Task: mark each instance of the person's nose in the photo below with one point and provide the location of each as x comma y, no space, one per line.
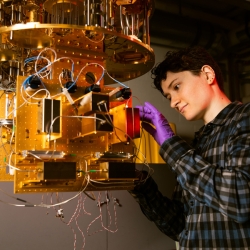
175,100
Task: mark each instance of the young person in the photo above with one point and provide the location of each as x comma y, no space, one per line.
210,207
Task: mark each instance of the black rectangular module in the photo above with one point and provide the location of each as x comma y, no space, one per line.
121,170
47,109
59,170
56,106
94,103
97,99
107,125
51,110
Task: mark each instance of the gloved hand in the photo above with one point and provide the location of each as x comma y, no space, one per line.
150,114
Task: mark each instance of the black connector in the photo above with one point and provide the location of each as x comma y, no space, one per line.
122,94
93,88
71,87
34,83
125,93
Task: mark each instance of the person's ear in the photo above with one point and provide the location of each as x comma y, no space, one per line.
209,73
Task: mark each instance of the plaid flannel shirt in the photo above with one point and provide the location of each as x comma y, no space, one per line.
210,207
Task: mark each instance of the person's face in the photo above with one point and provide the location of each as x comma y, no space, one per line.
189,94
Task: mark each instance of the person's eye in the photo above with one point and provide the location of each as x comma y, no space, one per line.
168,97
177,86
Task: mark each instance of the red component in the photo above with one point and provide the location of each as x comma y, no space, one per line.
133,122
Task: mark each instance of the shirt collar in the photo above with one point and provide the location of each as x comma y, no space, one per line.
220,119
225,113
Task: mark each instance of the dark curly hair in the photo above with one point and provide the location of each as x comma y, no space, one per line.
189,59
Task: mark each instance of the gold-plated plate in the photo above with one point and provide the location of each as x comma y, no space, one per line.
125,57
31,38
69,141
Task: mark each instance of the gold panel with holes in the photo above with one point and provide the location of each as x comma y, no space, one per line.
52,53
33,146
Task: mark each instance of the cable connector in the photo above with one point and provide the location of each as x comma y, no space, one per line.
120,94
68,96
99,204
116,201
60,213
101,102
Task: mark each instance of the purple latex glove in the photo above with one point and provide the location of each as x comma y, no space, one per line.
150,114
